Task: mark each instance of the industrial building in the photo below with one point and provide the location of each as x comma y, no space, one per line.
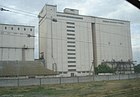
16,42
74,44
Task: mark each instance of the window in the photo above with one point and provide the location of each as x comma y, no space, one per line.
18,28
71,49
5,27
71,53
11,28
79,72
71,57
83,71
70,38
30,29
70,41
65,72
71,69
71,30
70,27
71,61
70,45
60,72
70,23
24,29
71,65
70,34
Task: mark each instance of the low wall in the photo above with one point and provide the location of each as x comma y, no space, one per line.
4,82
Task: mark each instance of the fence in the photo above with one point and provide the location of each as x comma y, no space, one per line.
60,80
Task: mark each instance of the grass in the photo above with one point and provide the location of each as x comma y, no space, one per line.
120,88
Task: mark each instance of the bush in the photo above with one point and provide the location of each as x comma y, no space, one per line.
103,68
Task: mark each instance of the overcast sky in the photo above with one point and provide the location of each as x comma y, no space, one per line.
114,9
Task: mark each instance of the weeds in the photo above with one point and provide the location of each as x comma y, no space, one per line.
122,88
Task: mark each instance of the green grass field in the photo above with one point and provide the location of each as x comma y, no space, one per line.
120,88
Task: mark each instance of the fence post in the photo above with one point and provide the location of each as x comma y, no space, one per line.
94,77
108,77
119,76
60,80
128,76
136,76
18,81
40,81
78,79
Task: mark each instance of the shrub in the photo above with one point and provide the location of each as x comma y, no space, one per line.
103,68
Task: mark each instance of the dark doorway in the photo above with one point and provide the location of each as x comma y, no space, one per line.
72,74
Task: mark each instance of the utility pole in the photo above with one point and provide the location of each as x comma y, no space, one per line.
93,68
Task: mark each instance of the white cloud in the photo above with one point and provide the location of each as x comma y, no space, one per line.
125,11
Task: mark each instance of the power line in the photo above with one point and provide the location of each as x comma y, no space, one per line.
2,9
33,15
17,11
29,35
22,12
62,39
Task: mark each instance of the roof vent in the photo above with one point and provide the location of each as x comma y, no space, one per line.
71,11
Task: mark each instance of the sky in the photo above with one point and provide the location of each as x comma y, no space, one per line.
114,9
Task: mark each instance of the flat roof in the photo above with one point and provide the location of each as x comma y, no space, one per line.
84,15
92,16
17,25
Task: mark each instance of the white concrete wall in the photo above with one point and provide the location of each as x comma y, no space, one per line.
25,81
12,39
83,43
113,40
45,30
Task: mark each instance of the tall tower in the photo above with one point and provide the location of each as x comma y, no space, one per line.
65,41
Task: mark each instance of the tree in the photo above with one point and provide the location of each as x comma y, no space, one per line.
103,68
137,68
